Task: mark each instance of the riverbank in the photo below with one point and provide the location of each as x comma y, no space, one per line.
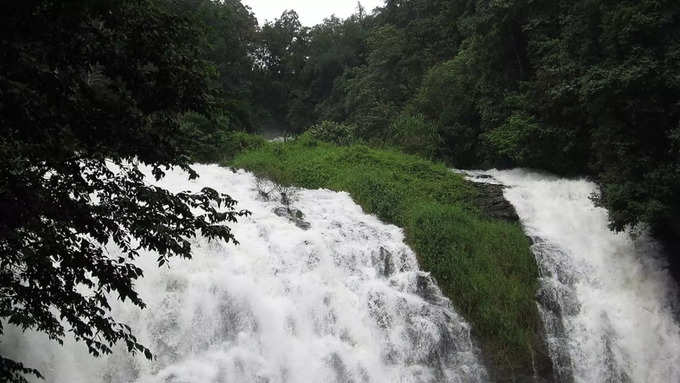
482,264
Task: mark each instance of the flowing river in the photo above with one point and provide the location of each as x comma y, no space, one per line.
607,300
342,301
335,295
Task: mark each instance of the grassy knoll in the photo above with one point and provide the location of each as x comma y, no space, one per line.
484,266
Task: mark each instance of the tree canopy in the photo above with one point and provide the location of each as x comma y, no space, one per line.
89,91
578,88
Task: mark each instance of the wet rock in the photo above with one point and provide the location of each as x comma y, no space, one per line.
547,297
669,238
385,266
558,299
377,310
342,373
294,215
493,204
426,288
304,225
282,212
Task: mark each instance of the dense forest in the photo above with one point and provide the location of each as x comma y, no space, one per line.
579,88
586,87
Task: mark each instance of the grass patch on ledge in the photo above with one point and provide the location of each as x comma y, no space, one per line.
484,266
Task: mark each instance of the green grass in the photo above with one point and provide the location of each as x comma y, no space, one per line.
484,266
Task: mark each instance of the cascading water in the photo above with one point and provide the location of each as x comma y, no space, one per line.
607,301
341,302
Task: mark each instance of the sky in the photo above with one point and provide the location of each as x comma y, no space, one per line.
311,12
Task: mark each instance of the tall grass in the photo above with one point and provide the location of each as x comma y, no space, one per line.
484,266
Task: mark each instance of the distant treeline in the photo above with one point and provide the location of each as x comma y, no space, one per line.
586,87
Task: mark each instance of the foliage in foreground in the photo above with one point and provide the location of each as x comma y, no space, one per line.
329,131
91,90
483,265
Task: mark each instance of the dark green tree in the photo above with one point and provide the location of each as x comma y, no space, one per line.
280,55
230,31
334,46
88,92
448,97
606,84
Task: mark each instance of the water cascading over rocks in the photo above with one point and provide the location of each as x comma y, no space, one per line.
339,300
608,302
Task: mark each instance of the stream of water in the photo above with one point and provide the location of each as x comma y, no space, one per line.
343,301
608,301
336,296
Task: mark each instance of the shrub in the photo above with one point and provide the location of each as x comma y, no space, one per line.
204,135
237,142
415,135
212,138
517,138
448,97
333,132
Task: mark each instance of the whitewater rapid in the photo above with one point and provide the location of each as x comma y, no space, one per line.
343,301
607,299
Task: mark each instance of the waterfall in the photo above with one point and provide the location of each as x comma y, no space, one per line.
608,302
338,299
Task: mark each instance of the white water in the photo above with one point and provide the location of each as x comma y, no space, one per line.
606,298
341,302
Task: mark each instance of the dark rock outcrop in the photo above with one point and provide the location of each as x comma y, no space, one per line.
492,203
293,215
386,257
669,237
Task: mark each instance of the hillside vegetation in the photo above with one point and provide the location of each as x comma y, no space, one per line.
484,266
585,87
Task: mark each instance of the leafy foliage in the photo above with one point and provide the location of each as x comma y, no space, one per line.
206,135
519,138
415,135
89,92
229,31
333,132
447,97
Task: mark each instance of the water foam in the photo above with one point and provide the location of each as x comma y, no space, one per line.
607,298
341,302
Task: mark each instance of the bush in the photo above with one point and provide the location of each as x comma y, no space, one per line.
333,132
517,139
203,135
448,97
237,142
212,139
415,135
